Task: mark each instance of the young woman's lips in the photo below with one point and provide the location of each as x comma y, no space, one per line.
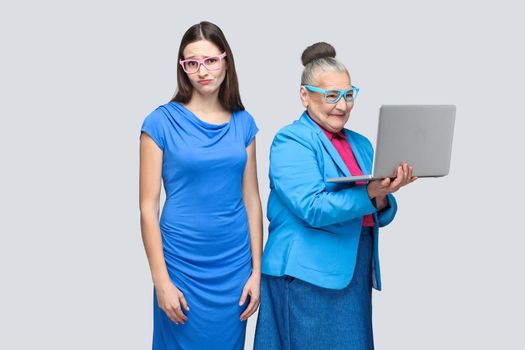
205,81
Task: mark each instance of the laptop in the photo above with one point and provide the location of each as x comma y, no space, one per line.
420,135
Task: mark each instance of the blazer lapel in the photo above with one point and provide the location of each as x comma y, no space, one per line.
329,147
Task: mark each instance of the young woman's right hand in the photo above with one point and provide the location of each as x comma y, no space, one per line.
170,300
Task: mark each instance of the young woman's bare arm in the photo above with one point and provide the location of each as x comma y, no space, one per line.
169,297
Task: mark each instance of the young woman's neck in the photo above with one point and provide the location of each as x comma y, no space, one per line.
206,104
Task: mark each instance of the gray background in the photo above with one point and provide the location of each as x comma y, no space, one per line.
77,79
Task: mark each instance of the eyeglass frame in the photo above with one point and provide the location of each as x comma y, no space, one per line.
200,62
342,93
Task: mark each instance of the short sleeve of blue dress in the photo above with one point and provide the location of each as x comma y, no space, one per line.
154,125
204,225
250,128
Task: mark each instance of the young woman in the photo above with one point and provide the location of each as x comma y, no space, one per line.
205,252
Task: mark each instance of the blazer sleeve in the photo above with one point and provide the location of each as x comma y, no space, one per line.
386,215
296,176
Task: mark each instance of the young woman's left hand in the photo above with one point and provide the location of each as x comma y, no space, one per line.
253,289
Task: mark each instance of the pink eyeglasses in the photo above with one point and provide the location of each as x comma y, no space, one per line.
211,63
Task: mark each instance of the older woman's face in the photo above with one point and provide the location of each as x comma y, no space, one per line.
332,117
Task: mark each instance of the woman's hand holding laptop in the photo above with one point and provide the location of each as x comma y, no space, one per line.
378,189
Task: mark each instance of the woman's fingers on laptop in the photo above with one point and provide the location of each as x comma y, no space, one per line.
402,177
408,175
407,172
398,181
411,177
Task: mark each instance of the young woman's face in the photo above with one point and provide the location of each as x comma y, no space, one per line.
332,117
204,81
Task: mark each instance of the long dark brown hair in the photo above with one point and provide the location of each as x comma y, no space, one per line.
229,95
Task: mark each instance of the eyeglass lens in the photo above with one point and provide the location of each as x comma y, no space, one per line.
334,95
211,63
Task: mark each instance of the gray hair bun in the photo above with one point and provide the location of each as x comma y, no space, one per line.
317,51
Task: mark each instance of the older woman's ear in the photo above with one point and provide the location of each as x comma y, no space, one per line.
304,96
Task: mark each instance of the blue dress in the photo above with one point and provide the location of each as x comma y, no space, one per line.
204,225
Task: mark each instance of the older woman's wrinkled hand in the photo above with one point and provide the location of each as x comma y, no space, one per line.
380,188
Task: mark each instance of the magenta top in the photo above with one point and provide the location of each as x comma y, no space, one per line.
344,149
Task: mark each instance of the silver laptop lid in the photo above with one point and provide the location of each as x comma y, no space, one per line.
420,135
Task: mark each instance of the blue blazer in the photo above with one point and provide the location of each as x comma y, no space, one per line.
314,225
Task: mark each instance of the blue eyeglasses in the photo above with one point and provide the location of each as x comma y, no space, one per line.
333,96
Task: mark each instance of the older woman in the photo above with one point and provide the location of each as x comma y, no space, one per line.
321,259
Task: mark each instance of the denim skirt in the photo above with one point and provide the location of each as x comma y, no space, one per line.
295,314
